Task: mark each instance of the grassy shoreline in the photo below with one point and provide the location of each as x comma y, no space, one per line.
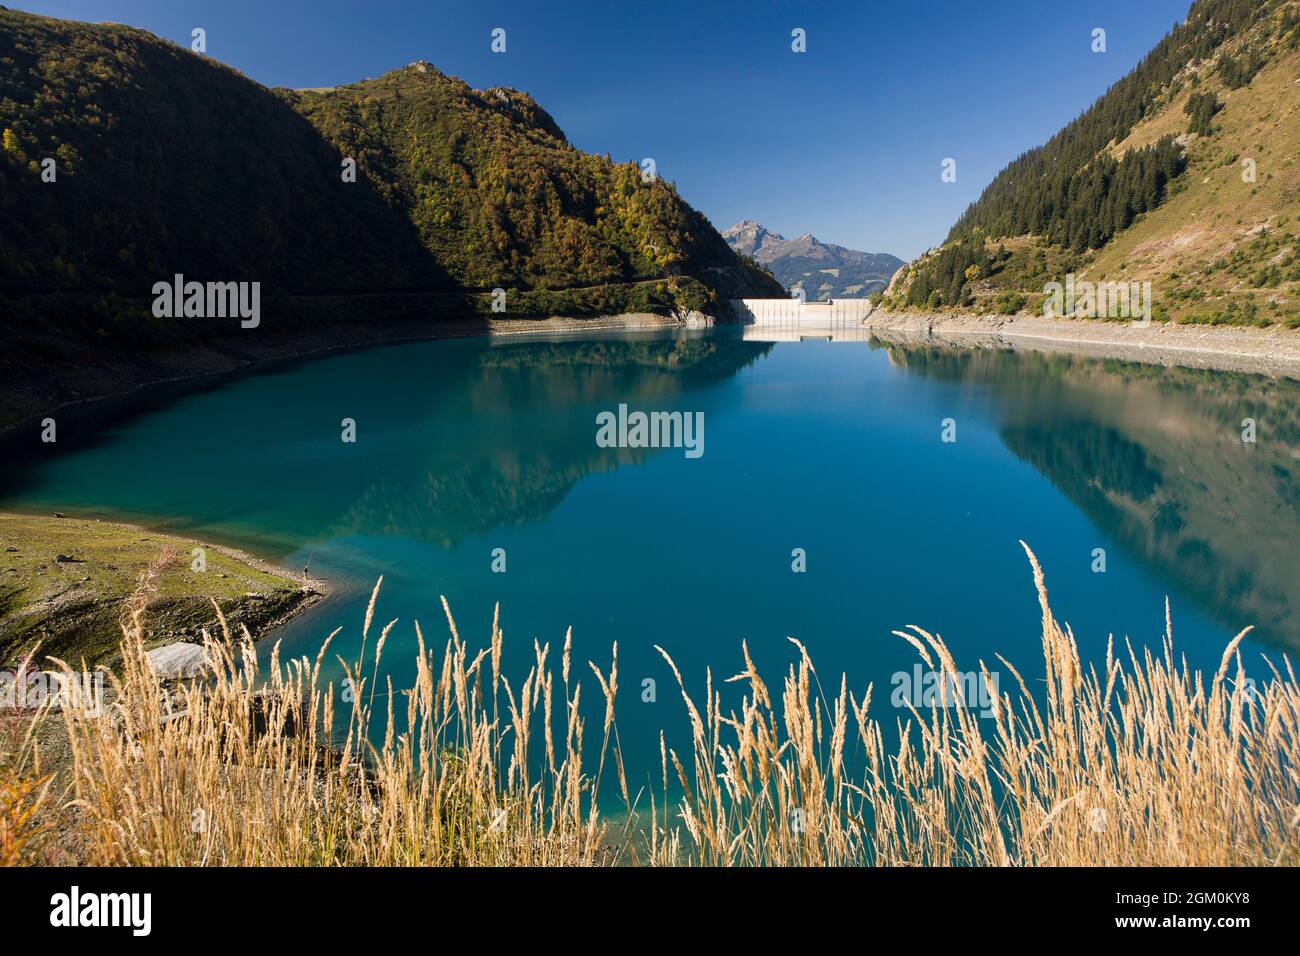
63,581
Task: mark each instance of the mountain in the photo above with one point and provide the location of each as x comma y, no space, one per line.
498,196
1183,175
167,162
821,269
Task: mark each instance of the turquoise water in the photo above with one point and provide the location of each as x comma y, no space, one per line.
467,446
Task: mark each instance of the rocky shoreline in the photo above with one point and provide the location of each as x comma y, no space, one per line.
208,365
1273,351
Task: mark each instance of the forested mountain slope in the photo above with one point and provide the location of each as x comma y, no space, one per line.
165,163
170,162
1183,174
498,195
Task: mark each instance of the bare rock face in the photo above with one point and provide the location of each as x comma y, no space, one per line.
180,660
747,237
692,319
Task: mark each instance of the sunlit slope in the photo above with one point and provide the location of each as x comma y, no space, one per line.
1184,175
1221,239
500,197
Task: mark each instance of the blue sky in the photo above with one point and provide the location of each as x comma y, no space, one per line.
844,141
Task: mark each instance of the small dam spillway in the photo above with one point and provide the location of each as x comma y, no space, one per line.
793,320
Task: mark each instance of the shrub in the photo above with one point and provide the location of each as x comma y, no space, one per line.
1009,302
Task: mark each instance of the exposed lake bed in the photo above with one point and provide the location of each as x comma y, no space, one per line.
65,581
1273,351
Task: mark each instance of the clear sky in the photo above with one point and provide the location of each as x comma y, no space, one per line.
844,141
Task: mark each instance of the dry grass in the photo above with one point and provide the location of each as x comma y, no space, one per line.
1142,763
24,783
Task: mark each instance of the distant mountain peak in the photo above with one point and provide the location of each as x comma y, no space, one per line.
747,237
823,270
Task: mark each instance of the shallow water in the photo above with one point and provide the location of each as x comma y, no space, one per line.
467,446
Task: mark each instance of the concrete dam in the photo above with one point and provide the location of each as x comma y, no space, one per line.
793,320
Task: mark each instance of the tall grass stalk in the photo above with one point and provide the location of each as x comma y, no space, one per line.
1140,762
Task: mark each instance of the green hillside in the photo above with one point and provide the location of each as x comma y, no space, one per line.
1149,185
498,195
168,162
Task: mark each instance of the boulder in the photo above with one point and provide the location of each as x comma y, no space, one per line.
180,660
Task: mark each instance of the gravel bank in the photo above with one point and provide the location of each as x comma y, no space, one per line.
1273,351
